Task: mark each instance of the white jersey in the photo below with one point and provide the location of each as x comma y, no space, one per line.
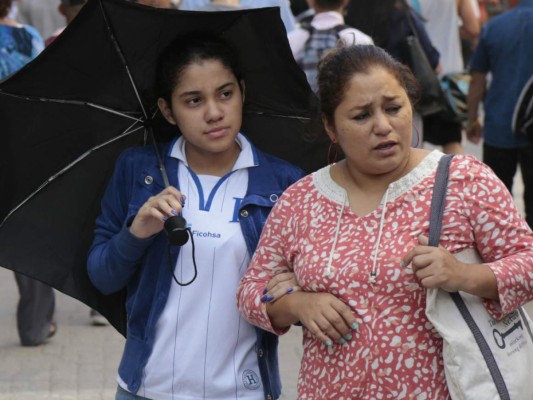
203,348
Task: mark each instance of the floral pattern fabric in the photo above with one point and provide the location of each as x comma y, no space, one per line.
396,353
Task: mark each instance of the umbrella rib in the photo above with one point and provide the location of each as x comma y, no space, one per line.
75,103
122,58
127,132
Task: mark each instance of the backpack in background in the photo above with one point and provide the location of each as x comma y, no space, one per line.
320,40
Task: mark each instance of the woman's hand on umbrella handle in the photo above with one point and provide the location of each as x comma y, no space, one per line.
151,217
328,318
280,285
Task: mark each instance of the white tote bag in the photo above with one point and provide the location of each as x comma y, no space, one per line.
484,358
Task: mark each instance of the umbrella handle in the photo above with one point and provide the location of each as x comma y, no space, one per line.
176,226
176,229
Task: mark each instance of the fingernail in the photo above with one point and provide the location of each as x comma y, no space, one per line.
342,341
164,219
265,291
329,343
265,299
174,212
355,326
182,201
290,290
348,337
402,263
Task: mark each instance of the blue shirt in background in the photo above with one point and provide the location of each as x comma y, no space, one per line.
285,11
505,50
18,46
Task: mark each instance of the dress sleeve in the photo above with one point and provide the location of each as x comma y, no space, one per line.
270,258
501,235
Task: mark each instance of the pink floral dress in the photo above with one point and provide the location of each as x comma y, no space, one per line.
396,353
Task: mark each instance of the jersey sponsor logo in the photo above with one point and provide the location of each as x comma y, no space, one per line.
203,234
251,380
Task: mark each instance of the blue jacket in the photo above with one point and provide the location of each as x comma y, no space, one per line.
117,259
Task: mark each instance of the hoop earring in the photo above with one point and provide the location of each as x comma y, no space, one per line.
417,133
332,147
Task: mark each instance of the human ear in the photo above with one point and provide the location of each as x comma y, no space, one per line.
166,110
330,129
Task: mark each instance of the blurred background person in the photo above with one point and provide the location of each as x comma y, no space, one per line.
505,52
68,9
221,5
41,14
312,39
19,44
284,8
443,19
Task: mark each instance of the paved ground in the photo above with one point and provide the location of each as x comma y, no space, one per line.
80,362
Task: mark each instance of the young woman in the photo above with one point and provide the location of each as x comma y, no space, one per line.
186,339
355,236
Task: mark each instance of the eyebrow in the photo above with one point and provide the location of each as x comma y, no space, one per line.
197,92
363,106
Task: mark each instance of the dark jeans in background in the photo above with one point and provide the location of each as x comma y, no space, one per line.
35,310
504,162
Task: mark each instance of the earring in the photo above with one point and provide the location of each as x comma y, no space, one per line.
332,148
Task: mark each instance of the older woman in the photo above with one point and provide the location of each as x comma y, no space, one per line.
354,234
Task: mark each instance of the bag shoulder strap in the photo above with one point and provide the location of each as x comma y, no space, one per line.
438,200
337,28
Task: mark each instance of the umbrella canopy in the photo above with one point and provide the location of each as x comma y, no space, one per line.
68,114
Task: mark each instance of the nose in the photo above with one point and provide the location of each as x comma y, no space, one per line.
213,112
382,125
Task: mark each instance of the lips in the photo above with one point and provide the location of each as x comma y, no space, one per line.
385,145
217,132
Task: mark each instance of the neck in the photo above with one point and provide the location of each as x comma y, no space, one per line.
218,164
377,183
8,22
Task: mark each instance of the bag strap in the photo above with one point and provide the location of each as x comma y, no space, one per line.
438,200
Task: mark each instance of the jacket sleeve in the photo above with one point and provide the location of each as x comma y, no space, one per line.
115,253
501,236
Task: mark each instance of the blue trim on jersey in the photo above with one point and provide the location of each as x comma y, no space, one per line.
207,206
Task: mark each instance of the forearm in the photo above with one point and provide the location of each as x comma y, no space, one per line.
471,25
111,262
479,280
283,312
476,92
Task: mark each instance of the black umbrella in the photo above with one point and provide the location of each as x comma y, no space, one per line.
66,116
522,122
